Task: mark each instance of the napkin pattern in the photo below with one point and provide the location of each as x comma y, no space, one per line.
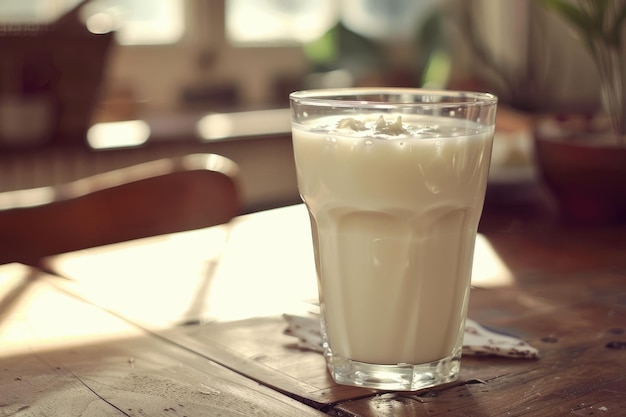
477,341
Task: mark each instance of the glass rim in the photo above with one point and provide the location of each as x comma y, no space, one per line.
340,97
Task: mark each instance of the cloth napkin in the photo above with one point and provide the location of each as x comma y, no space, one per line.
478,341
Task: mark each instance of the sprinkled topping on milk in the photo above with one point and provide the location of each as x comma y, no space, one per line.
351,124
386,127
391,128
380,127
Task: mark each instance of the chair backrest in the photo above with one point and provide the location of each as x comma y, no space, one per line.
153,198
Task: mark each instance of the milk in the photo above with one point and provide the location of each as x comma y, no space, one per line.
394,213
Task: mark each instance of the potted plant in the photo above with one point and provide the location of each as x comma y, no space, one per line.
582,159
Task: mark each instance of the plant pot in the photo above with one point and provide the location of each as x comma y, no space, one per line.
585,171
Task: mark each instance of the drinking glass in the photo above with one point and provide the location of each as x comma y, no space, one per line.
394,181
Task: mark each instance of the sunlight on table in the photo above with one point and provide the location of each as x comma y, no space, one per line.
35,316
258,265
489,270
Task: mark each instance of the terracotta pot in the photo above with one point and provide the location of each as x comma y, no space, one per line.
585,171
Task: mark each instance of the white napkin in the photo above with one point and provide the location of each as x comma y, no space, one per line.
478,341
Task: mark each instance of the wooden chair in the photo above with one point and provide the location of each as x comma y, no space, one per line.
153,198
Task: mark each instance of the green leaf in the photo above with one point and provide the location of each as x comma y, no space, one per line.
578,18
592,18
615,34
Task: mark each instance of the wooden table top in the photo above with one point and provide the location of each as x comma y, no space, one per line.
191,324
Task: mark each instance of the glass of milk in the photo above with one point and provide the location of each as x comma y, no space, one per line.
394,181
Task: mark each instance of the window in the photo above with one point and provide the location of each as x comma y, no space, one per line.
265,22
137,22
284,22
385,19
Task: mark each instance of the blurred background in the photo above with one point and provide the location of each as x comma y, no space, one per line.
90,86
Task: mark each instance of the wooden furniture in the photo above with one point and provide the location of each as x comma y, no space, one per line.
63,356
51,75
153,198
190,324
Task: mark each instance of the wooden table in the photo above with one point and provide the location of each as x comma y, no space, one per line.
191,324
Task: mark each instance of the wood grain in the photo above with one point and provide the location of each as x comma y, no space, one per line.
566,295
62,356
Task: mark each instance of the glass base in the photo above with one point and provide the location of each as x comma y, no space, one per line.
401,377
